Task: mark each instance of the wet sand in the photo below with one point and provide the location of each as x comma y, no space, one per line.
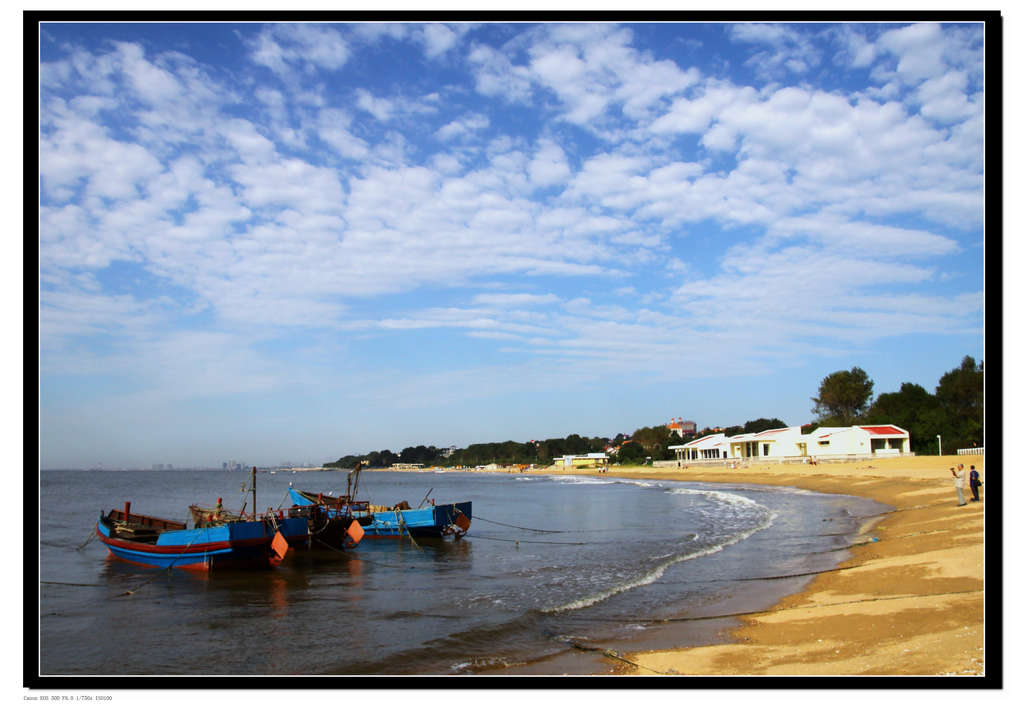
910,603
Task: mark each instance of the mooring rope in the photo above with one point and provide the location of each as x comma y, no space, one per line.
92,535
542,531
527,541
401,525
528,529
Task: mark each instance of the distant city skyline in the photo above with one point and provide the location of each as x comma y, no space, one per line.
302,241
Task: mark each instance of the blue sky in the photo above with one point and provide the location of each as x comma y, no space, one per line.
293,242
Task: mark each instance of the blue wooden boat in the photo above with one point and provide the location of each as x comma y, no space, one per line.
161,543
222,538
430,521
336,528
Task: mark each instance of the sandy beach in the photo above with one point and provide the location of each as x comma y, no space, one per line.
910,603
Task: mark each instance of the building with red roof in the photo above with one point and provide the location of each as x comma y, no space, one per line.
682,428
789,444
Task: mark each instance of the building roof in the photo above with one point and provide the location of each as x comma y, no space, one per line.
825,432
772,432
884,430
703,442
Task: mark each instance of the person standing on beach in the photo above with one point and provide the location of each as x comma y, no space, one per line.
959,478
975,484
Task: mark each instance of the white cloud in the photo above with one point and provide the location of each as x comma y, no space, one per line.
150,82
465,126
80,152
332,128
247,141
695,115
790,48
437,39
857,238
944,98
497,76
919,49
290,182
379,108
516,299
268,209
285,48
549,165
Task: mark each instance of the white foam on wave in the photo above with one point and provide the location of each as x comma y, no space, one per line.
639,483
729,498
581,480
658,571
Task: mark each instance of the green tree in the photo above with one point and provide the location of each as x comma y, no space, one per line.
914,409
961,394
631,452
843,397
655,440
758,425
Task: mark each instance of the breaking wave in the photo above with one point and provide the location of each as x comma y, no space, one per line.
762,518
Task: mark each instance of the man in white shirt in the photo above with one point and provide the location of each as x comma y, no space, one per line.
959,478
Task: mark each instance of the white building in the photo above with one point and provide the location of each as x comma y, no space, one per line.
789,444
713,447
773,443
876,441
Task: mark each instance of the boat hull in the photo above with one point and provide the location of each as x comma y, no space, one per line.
232,545
435,521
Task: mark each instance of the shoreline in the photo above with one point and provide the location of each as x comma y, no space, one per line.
910,603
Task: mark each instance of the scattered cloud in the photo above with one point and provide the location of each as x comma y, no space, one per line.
583,199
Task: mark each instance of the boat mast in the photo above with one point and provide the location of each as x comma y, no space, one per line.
254,492
351,492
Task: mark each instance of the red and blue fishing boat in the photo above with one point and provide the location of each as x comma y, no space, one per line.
428,521
162,543
219,538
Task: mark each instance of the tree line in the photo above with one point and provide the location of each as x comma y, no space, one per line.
955,411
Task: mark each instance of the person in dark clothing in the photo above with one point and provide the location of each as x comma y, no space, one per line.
975,479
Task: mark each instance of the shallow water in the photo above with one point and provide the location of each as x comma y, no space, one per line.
549,563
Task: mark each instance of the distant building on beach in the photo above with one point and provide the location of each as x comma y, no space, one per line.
590,460
712,447
682,428
789,444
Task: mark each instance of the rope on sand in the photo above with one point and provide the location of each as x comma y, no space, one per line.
616,655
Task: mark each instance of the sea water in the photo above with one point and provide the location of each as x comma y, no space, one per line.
551,566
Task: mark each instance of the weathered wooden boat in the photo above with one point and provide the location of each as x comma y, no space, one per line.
335,530
336,527
219,537
162,543
430,521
